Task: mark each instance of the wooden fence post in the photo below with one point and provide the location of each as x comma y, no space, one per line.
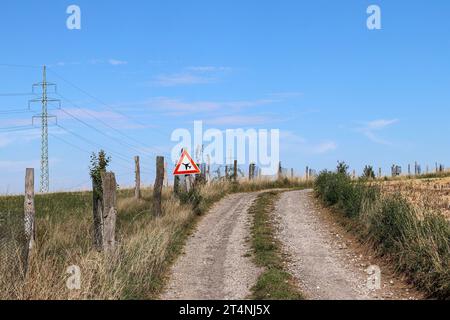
109,186
137,189
29,216
97,210
292,173
307,173
235,170
157,190
251,171
176,185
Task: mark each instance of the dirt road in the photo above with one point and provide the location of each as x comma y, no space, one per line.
326,261
215,264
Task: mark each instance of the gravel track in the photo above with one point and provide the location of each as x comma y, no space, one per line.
325,260
215,263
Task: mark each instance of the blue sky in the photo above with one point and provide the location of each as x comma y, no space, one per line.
336,90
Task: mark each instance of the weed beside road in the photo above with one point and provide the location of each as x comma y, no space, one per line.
415,239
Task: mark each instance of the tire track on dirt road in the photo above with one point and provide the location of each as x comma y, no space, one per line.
215,263
325,259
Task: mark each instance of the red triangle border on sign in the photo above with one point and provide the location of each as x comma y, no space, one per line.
177,170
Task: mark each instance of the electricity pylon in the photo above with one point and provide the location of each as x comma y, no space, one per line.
44,100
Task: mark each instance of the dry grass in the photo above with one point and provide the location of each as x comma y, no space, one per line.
134,272
146,245
414,238
431,193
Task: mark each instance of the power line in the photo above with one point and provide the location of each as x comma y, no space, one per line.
15,129
14,111
103,103
69,143
96,145
100,132
16,94
18,66
105,123
89,152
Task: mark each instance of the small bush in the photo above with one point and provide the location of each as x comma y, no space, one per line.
417,241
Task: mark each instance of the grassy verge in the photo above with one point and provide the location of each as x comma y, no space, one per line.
147,246
274,283
415,239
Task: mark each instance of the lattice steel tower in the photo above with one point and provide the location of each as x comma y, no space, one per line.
44,100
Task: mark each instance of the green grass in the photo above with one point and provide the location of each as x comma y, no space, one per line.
274,283
415,239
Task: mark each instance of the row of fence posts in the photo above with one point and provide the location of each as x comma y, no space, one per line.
104,200
104,208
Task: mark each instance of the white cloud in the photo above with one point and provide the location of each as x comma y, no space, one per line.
380,124
291,141
178,107
177,79
191,76
371,127
239,120
324,147
209,69
115,62
21,165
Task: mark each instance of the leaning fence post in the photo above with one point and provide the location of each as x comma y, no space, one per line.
109,187
29,215
157,190
137,189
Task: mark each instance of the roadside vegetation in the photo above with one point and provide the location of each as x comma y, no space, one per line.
275,283
416,239
147,245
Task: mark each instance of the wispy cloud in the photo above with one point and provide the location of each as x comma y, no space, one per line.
177,79
111,118
191,76
239,120
115,62
370,128
179,107
20,165
291,141
324,147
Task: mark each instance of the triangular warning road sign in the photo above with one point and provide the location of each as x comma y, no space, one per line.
186,165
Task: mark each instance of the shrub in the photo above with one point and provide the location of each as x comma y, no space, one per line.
417,241
331,186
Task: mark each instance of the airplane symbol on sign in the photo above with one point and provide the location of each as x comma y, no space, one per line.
187,166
